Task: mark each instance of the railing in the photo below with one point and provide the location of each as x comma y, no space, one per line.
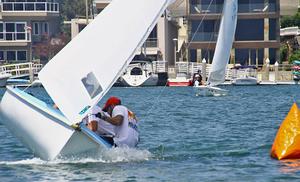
151,42
159,66
21,68
205,36
15,36
206,9
242,8
256,7
30,6
182,67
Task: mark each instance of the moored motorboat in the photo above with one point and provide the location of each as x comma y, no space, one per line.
244,75
181,80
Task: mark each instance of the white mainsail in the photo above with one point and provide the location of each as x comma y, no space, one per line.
83,72
224,43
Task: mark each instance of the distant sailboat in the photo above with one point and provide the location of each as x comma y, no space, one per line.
222,51
95,59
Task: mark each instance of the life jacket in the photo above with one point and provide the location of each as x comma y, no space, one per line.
132,120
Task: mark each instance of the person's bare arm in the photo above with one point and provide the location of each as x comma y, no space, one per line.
93,125
117,120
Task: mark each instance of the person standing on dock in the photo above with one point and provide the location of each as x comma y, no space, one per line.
126,133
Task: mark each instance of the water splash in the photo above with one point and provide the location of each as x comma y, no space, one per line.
113,155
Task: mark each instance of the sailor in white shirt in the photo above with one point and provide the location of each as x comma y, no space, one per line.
100,126
126,133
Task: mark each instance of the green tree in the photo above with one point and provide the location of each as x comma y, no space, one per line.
294,56
70,9
283,53
287,21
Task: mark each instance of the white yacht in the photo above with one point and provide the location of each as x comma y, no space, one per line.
244,75
139,73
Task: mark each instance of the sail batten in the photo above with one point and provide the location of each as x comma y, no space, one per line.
84,71
224,43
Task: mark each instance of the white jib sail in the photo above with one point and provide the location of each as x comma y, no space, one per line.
224,43
83,72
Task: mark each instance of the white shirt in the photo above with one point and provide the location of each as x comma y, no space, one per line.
104,128
196,83
125,135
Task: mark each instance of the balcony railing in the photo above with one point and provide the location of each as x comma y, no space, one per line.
242,8
256,8
204,36
15,37
30,7
151,42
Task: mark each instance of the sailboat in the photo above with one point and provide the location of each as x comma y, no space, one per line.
222,51
95,59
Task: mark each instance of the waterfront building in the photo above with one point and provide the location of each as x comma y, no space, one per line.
288,7
257,35
158,46
24,25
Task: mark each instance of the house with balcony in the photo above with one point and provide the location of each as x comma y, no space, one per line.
257,35
24,25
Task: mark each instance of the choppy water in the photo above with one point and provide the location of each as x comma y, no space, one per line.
183,138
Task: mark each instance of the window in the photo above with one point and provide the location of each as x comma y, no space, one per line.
36,29
46,28
40,6
7,7
206,32
10,27
29,6
251,29
193,55
272,29
18,7
1,31
136,71
11,55
2,56
22,55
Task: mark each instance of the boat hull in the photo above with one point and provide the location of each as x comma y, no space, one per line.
245,81
179,84
41,128
139,81
209,91
3,79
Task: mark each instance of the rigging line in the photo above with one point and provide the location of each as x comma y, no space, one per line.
156,101
198,27
211,37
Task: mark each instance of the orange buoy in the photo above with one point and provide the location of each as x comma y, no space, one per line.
287,141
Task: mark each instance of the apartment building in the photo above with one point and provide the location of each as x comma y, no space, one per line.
158,46
23,25
257,33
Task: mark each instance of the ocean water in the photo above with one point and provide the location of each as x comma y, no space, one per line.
183,138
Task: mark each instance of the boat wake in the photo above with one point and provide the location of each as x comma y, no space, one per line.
113,155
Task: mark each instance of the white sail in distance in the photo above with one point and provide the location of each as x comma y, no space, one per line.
224,43
84,70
